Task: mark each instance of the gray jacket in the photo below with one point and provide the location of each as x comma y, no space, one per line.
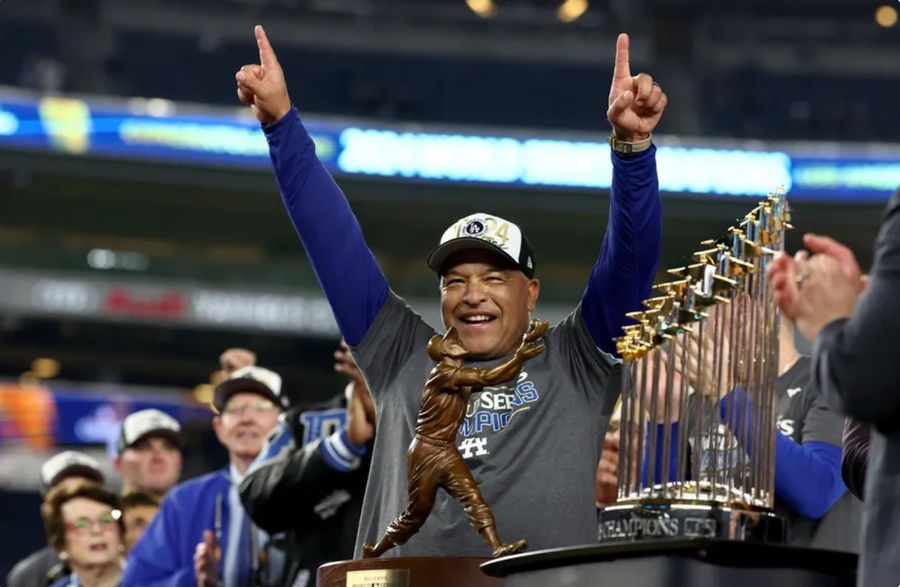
38,570
856,364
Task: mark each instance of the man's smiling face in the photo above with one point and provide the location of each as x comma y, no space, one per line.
488,300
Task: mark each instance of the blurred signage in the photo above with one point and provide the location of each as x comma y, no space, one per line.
156,130
135,129
85,417
167,304
43,416
27,415
121,301
33,293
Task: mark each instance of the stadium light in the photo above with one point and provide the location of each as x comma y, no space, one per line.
483,8
886,16
571,10
45,368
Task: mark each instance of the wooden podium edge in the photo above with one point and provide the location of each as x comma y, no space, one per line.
426,571
727,552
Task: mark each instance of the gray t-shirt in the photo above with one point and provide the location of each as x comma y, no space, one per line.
532,444
34,571
804,415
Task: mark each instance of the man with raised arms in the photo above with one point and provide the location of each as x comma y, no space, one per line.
532,443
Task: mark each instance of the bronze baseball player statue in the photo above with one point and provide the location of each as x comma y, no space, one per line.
433,459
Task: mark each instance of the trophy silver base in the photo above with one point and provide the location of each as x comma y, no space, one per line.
673,521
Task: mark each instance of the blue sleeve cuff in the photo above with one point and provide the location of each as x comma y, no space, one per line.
621,159
340,453
283,121
808,475
357,450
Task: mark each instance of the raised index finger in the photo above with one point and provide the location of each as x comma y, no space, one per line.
266,53
622,68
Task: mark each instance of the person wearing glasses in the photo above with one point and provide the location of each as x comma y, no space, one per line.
43,568
84,525
201,534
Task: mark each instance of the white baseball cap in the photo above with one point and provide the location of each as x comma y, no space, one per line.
143,423
252,379
486,232
69,463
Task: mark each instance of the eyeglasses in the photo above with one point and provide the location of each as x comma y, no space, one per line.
83,525
259,407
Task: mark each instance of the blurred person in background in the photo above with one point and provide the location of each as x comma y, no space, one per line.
855,444
809,490
84,525
44,567
855,325
149,452
855,455
311,478
138,510
235,358
201,534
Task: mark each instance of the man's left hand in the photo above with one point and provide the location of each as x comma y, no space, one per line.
636,103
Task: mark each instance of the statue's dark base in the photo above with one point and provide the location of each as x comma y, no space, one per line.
408,572
694,563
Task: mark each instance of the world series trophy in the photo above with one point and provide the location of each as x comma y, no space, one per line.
697,429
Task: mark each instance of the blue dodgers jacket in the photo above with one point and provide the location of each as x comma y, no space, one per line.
164,556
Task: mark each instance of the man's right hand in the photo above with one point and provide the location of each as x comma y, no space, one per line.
360,409
607,471
262,87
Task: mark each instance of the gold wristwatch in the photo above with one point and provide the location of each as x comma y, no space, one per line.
627,148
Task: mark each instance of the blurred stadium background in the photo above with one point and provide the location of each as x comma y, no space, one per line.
141,232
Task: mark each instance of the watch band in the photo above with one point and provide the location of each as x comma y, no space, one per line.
627,148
